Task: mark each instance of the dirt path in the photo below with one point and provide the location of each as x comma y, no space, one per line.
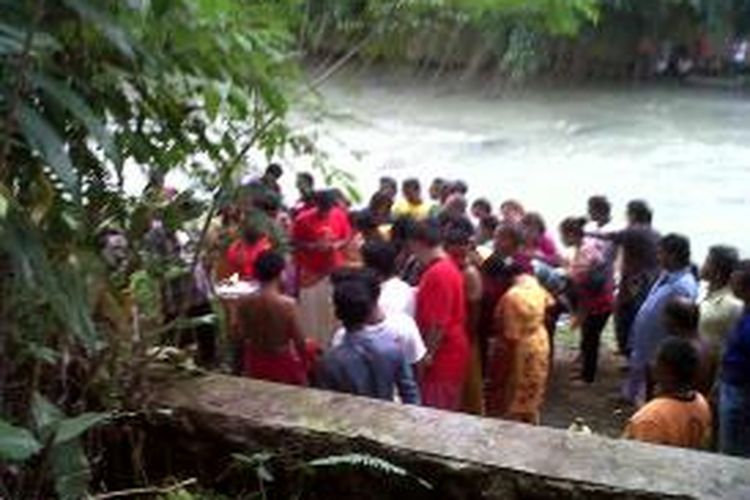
598,404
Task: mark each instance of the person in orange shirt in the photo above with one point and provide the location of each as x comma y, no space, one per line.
680,415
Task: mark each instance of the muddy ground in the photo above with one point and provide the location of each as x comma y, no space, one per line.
598,404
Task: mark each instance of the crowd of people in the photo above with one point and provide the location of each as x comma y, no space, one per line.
435,301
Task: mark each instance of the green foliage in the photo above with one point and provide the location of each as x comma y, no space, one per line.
444,32
63,437
17,444
87,87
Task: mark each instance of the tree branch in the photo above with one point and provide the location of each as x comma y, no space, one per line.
153,490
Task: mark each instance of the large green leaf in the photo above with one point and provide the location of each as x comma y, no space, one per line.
70,466
49,420
81,110
72,428
46,415
43,138
16,444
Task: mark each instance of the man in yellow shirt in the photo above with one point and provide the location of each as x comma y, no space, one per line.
411,204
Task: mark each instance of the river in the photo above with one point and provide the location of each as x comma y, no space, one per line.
686,151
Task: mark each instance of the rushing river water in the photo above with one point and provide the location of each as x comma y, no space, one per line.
686,151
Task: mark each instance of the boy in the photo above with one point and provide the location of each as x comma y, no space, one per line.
364,364
679,415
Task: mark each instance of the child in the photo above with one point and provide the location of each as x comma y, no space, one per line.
679,415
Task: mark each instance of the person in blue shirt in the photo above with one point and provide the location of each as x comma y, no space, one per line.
368,362
677,279
734,386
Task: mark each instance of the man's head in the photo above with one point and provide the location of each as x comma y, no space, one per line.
324,200
512,211
412,191
388,186
436,189
455,206
681,316
599,210
740,281
638,212
508,239
487,228
380,256
364,222
251,230
677,365
353,303
269,267
533,226
424,239
674,252
273,172
458,236
305,184
481,208
380,206
719,265
459,187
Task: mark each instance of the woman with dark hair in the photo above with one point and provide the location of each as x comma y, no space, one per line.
719,308
593,287
270,344
520,361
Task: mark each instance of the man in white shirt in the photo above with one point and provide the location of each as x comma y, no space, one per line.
396,296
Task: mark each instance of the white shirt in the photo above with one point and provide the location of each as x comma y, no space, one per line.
396,296
400,326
